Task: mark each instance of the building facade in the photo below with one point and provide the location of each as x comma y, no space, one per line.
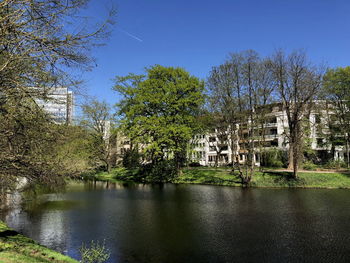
215,149
59,105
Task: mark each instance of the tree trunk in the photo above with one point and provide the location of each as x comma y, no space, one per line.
295,161
290,157
347,153
108,166
294,153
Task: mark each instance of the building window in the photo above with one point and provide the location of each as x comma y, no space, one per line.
212,139
274,143
211,158
272,120
319,142
212,148
273,131
224,148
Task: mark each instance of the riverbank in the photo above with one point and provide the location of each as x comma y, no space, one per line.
223,176
16,248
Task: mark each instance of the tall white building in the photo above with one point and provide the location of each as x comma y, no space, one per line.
59,104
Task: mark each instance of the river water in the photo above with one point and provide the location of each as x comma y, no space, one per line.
190,223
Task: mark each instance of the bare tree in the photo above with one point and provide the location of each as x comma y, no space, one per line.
223,87
40,43
265,97
297,82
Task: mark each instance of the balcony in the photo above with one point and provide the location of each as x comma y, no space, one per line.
272,124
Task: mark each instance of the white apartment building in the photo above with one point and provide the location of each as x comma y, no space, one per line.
59,104
207,148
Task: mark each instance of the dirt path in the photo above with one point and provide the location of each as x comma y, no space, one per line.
315,171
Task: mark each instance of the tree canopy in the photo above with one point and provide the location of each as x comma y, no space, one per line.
160,109
41,43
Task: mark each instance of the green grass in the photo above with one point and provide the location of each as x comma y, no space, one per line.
208,175
304,180
18,248
116,175
223,176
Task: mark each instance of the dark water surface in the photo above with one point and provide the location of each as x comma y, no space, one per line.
192,223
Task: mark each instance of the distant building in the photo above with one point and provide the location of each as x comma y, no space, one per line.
209,149
60,105
215,148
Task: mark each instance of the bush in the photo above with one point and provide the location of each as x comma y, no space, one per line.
194,164
96,253
335,164
274,158
159,172
308,165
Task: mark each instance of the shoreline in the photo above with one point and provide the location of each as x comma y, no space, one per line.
276,178
15,247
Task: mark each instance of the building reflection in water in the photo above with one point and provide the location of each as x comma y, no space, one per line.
188,223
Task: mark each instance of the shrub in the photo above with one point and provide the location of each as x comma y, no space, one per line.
274,158
159,172
194,164
96,253
335,164
308,165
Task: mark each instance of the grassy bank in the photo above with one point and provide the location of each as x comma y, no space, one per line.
222,176
16,248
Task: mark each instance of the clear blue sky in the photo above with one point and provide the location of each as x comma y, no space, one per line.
198,34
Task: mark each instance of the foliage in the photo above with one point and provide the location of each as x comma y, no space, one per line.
274,158
311,155
95,253
159,112
119,174
194,164
337,90
29,144
73,151
337,83
132,158
96,118
39,47
309,165
335,164
224,176
159,172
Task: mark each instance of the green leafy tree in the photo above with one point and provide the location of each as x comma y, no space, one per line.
159,111
337,90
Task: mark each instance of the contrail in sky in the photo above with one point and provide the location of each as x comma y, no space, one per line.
130,35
